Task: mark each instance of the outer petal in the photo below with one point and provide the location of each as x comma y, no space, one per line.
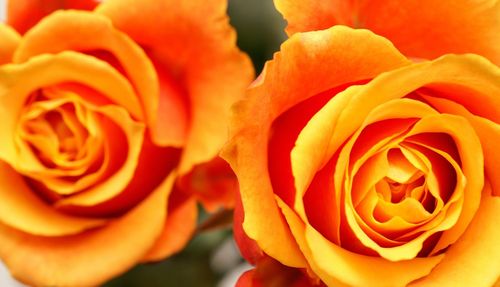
309,64
24,14
179,228
425,29
270,273
213,183
196,45
20,208
10,41
247,280
248,247
90,258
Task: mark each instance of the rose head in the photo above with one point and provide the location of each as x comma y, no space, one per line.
364,168
107,118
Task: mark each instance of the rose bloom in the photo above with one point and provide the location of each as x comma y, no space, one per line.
360,167
111,122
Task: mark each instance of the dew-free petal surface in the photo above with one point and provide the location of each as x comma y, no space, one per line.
10,42
196,45
24,14
93,33
91,257
22,209
423,29
472,260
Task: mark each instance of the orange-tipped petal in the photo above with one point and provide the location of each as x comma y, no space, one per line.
24,14
10,42
194,43
423,29
92,257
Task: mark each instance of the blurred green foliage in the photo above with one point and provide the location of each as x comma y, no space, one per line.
187,269
260,31
260,28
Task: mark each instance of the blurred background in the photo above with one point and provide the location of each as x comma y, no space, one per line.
211,258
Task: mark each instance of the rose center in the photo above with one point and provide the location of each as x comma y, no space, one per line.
54,130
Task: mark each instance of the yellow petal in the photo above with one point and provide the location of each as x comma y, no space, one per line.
22,209
89,258
10,42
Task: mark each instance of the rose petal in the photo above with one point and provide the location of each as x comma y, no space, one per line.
361,270
102,253
200,53
424,29
269,272
339,267
488,132
214,184
478,247
23,14
178,230
248,247
21,209
10,42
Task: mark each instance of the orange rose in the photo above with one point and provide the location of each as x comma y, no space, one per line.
363,168
102,113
